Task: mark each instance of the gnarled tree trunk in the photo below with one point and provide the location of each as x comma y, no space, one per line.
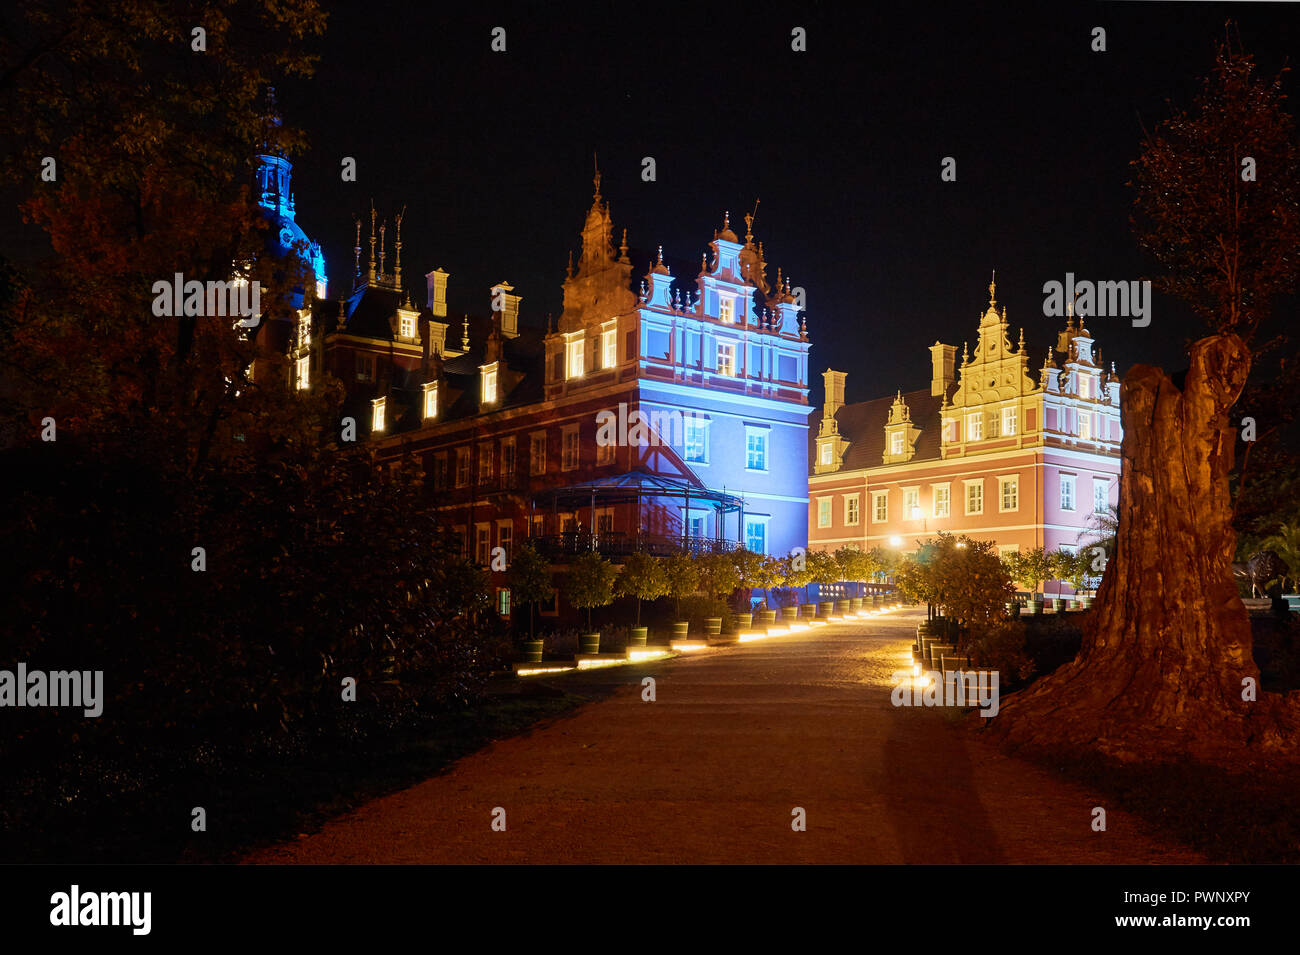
1167,649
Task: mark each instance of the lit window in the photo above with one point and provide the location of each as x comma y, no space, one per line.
573,359
304,373
1100,497
304,330
942,497
756,536
569,450
431,399
377,415
696,439
1085,427
896,442
827,453
975,426
1084,383
755,450
1067,492
911,502
880,506
1009,416
489,384
537,453
609,348
503,601
406,325
823,512
320,289
726,359
975,498
726,309
1010,488
851,509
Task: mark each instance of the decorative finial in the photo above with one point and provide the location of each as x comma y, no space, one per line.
464,336
397,249
357,251
622,249
383,227
993,287
726,221
704,261
370,269
343,312
676,300
1022,338
661,256
596,179
570,263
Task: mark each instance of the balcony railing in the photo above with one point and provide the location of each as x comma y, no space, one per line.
618,544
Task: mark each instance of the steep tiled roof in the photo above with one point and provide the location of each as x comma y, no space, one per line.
862,424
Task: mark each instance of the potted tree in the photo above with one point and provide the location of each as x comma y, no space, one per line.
797,577
642,578
529,580
825,571
749,574
718,578
588,583
682,578
771,573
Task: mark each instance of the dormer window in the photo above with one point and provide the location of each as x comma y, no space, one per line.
574,362
896,442
377,414
304,373
727,309
320,289
726,359
405,325
828,454
609,346
431,400
489,395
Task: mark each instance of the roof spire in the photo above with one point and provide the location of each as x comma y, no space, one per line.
596,179
357,252
622,249
383,227
397,250
464,336
993,287
370,271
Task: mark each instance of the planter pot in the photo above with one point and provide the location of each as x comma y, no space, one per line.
1085,602
825,608
589,643
1058,604
767,618
841,607
532,651
681,629
1036,607
637,636
789,613
855,604
742,621
713,626
1013,608
807,611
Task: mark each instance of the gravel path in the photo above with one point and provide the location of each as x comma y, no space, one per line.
711,771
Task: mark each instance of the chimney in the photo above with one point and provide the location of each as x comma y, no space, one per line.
508,306
834,393
943,358
437,281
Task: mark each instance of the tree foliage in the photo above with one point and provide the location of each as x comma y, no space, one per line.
642,577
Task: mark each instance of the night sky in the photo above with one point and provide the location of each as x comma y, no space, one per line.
492,153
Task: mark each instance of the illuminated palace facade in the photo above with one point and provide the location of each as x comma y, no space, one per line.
985,451
661,415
